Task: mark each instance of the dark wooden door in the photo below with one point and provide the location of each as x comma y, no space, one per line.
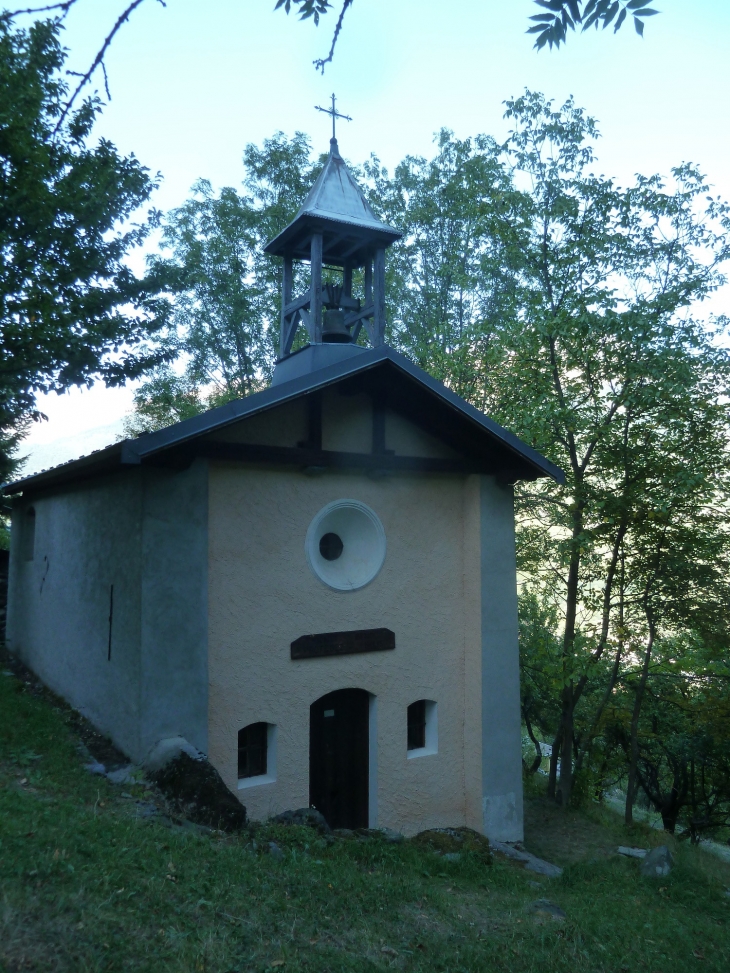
338,757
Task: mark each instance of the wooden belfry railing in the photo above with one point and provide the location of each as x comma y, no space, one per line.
308,307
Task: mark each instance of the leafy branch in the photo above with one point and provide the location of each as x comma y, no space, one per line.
313,8
62,8
560,16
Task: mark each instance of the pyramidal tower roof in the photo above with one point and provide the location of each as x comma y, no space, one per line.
337,208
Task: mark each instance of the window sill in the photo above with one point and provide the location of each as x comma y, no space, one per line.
422,752
245,782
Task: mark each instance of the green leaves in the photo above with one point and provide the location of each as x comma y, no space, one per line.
552,26
305,8
224,291
69,301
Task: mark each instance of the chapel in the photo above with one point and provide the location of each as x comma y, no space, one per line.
315,586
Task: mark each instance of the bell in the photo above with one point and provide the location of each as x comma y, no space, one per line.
333,327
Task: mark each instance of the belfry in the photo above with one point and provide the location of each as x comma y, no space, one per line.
315,585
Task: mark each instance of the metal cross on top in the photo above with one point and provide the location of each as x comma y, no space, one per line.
334,113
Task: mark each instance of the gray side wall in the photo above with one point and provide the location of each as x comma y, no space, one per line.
145,532
87,538
501,724
174,608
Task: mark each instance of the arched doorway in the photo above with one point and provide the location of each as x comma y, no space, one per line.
339,765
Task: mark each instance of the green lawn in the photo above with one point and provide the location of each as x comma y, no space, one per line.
86,885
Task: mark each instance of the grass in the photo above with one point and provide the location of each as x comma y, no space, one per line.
86,885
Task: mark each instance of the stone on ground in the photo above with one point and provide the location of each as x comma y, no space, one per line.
658,863
307,816
545,909
633,852
531,862
165,751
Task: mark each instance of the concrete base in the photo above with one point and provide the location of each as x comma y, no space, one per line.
312,358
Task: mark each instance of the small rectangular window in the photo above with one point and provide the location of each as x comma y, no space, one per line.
416,725
252,748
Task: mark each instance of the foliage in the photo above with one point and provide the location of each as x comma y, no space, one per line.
626,390
683,767
89,883
449,278
305,8
224,292
561,15
71,310
564,305
162,400
553,22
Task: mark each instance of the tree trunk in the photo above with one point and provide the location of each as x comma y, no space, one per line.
618,557
565,786
632,788
533,769
554,757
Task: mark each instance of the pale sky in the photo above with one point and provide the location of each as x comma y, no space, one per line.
194,82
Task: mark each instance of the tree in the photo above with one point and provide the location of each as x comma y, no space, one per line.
224,291
450,278
563,305
602,362
71,310
559,16
553,22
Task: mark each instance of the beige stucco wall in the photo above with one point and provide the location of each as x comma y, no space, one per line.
262,595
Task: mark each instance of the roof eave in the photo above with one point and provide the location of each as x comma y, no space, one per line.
133,452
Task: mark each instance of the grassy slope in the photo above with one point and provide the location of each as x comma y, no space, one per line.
84,885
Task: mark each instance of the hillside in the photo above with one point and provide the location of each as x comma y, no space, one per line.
96,877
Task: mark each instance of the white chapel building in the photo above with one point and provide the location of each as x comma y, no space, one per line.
315,585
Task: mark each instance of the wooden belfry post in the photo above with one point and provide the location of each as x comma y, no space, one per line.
315,306
336,227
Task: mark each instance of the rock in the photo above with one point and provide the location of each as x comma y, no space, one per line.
547,910
195,788
633,852
308,816
125,775
146,809
275,851
392,837
446,841
531,862
167,750
658,863
452,856
96,768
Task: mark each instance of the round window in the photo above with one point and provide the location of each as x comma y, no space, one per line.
345,545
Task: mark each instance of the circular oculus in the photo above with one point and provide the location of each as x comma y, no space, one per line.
345,545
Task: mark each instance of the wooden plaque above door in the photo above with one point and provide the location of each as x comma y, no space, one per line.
343,643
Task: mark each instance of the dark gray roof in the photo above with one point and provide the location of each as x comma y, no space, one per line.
335,198
404,385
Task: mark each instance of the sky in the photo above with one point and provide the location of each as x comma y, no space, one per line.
192,83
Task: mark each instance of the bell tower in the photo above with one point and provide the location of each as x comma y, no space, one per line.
335,228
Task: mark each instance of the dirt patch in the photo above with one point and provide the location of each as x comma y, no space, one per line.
195,790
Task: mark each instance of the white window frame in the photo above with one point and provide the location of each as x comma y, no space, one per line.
432,732
270,776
